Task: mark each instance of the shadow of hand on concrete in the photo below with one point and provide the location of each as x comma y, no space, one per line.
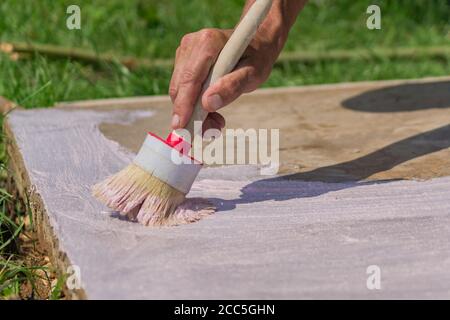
404,97
408,97
340,176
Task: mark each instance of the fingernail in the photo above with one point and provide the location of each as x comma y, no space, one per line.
175,121
215,101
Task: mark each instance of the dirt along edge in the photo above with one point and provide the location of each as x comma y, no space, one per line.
32,199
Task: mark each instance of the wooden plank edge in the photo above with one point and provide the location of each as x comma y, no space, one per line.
33,201
147,101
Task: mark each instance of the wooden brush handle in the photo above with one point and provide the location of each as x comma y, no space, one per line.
230,55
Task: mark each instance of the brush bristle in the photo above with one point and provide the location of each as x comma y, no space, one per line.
140,196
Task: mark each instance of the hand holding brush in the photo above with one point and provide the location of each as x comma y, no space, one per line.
153,186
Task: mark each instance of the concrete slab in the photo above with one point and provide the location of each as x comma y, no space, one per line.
309,234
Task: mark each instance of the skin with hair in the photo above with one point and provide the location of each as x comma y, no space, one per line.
198,51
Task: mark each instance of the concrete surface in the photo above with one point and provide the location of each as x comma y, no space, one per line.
299,236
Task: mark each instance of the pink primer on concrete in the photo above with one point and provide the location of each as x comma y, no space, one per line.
272,238
191,210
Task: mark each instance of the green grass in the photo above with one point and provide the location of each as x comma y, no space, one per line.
40,82
152,29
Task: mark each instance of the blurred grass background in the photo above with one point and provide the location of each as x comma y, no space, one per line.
152,29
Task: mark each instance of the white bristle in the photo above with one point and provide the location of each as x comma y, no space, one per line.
140,196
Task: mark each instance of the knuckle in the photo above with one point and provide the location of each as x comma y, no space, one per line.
172,91
207,34
186,40
187,76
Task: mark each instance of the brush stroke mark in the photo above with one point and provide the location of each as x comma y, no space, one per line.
88,158
265,249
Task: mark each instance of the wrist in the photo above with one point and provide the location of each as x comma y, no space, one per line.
271,37
274,30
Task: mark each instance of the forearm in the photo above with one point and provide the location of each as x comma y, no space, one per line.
198,51
275,28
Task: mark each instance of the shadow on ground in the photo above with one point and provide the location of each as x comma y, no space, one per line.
400,98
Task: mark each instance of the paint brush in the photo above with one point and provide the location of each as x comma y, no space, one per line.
152,188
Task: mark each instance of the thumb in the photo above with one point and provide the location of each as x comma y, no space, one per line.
229,88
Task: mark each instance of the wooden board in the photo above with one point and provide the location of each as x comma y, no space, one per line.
345,201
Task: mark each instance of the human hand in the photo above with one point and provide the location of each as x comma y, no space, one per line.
196,55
